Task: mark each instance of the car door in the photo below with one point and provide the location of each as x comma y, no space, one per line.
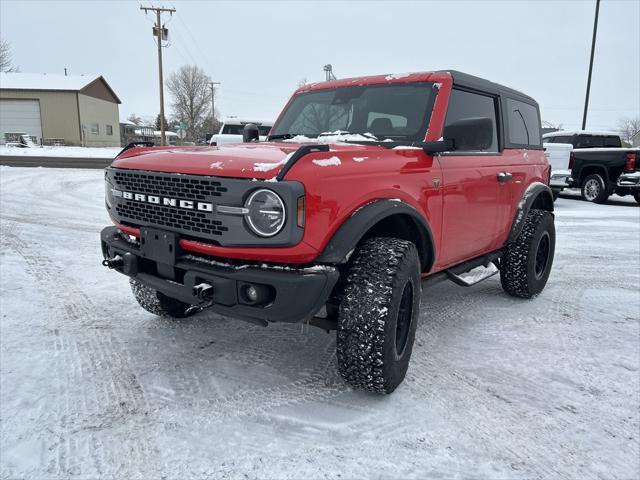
475,182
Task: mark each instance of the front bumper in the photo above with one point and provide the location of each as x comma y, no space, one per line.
559,179
294,295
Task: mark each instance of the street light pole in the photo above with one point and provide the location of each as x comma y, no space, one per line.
213,110
593,47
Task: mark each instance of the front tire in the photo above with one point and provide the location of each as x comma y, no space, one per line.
594,189
378,314
158,303
526,264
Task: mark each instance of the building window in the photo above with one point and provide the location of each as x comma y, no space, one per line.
95,129
109,129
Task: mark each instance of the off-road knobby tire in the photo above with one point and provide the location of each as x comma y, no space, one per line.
158,303
636,195
518,265
368,315
603,192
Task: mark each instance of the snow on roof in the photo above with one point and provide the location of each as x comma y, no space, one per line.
244,121
167,133
45,81
562,133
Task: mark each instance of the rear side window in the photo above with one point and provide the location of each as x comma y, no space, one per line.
466,105
612,141
558,139
524,124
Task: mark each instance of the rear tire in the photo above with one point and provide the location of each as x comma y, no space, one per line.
378,314
526,264
594,189
158,303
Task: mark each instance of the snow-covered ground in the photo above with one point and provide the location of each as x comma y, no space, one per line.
92,386
63,152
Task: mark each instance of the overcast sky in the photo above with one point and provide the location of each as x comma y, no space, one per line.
260,51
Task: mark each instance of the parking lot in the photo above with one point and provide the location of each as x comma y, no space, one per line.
92,385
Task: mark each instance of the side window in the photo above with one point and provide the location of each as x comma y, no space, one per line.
524,123
466,106
612,141
589,141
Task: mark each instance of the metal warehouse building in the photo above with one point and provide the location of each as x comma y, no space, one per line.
74,109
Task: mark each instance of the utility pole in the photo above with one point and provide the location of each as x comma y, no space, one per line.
213,110
593,48
162,33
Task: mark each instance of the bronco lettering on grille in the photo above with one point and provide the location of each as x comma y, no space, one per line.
165,201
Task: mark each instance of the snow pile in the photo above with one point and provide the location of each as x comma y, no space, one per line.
62,152
328,162
332,137
93,386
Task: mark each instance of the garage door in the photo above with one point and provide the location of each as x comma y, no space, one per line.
20,116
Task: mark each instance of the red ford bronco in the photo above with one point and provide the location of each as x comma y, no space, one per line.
365,190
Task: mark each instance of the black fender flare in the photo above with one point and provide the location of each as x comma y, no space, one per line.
352,230
537,194
596,168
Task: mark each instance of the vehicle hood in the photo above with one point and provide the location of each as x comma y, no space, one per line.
245,160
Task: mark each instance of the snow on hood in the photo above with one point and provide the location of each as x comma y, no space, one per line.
243,160
260,161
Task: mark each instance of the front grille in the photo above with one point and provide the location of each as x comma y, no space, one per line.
178,186
203,222
173,186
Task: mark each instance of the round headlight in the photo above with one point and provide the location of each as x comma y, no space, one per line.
266,215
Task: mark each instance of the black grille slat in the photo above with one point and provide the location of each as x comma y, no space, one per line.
180,188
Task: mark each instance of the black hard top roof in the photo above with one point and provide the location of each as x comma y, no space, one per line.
476,83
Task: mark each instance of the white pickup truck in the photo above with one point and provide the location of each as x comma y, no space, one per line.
558,155
231,131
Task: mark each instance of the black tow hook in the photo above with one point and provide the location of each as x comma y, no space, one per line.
203,291
115,262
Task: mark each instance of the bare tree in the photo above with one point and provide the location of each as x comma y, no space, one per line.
190,89
6,60
133,118
628,127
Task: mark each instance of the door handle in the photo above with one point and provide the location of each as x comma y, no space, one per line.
504,177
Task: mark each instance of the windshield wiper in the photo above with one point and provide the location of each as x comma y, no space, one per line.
343,132
281,136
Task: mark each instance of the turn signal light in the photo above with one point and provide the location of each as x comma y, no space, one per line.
630,164
572,158
300,205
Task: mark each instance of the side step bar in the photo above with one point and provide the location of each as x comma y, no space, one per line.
473,276
464,274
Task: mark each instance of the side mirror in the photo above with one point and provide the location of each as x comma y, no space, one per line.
470,133
250,133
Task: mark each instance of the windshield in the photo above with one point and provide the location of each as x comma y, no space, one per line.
398,112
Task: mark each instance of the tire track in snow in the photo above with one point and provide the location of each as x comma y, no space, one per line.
91,359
